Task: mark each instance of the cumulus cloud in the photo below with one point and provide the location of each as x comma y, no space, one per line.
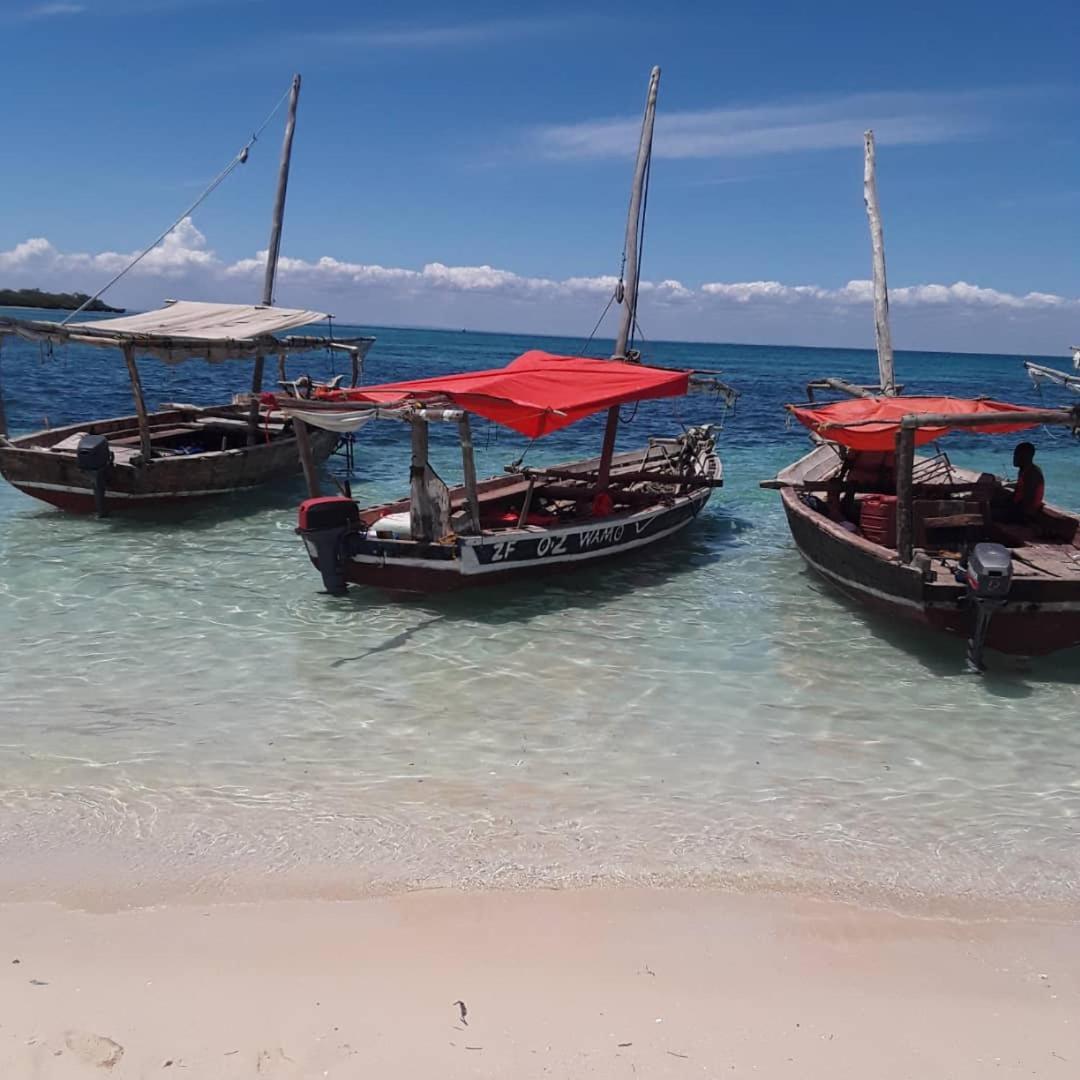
821,124
862,292
493,298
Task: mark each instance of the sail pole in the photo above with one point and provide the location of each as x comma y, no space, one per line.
273,250
633,221
628,282
883,336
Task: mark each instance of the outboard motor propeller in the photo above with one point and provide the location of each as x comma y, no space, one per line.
324,524
988,577
93,455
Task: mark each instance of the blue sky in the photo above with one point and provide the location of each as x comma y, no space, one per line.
469,165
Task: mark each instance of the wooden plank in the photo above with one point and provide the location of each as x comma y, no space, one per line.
841,386
1070,416
140,403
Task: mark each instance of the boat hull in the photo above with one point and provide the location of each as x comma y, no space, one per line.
471,562
29,464
359,552
1040,616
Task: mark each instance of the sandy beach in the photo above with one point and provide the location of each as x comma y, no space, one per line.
601,982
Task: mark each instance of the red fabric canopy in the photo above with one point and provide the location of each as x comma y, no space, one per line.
535,394
872,423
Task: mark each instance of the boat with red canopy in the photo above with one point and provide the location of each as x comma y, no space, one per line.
528,520
901,532
917,537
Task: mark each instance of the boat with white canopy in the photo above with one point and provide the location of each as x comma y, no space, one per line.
180,451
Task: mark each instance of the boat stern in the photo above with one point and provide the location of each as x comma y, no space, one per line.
324,524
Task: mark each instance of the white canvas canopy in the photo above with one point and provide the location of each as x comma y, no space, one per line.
182,330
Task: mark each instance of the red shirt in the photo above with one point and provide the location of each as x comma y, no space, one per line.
1030,488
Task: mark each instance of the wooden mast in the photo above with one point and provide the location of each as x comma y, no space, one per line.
273,251
882,333
629,282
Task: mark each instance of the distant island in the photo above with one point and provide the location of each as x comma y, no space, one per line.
35,298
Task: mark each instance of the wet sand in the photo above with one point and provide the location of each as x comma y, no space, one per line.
600,982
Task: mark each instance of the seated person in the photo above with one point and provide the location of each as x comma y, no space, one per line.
1027,500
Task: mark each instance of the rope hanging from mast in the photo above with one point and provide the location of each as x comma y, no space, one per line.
239,159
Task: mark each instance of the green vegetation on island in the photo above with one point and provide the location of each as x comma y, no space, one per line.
35,298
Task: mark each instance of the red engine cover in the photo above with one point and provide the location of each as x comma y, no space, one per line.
327,512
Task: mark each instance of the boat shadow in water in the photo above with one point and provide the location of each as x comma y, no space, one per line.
702,544
943,655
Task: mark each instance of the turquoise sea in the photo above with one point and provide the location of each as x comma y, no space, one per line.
182,713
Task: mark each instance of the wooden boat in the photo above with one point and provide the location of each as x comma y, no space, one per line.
181,452
916,537
898,531
533,520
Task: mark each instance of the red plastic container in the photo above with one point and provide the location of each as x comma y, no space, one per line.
877,519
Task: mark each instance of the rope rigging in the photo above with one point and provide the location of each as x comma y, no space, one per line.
239,159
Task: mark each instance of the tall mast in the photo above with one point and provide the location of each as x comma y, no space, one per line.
272,252
883,336
274,248
629,282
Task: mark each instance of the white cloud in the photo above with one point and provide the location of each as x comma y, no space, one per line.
442,35
959,294
926,315
822,124
48,11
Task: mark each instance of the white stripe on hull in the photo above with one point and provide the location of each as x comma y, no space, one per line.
472,567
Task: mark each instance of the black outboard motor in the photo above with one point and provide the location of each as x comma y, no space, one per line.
94,456
324,524
988,577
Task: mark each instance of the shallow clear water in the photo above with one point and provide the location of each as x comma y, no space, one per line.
183,711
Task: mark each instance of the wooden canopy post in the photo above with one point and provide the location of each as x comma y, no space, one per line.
421,516
354,355
140,403
468,466
281,367
905,463
307,458
882,333
253,408
608,451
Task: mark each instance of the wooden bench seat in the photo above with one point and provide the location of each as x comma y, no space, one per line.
161,433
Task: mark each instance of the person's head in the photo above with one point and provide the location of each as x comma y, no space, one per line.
1024,454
